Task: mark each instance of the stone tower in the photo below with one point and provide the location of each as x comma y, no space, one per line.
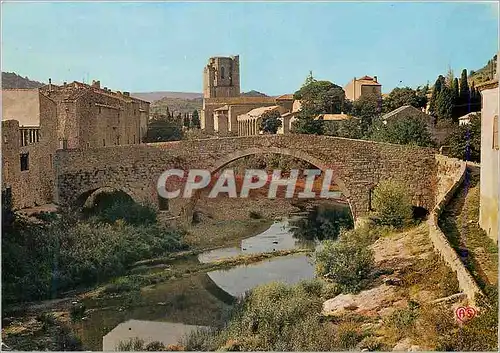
221,77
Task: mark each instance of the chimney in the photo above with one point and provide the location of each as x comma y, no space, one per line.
96,84
50,84
375,79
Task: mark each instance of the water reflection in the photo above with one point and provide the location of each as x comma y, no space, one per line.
324,221
240,279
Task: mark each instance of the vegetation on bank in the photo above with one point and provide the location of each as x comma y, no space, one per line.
43,260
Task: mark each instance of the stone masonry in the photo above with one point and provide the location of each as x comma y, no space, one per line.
358,165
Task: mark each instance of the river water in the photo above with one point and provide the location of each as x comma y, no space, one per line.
203,299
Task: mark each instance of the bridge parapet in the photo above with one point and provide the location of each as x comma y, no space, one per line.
358,165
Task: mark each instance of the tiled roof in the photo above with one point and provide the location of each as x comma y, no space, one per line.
396,111
288,97
333,117
366,78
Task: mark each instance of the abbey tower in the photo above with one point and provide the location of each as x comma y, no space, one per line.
221,77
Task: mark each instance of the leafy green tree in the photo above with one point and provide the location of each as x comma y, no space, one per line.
465,141
317,97
404,96
162,128
392,203
404,131
367,108
195,120
270,122
350,128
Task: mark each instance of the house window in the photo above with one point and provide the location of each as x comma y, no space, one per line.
495,132
222,72
99,110
104,142
24,161
134,139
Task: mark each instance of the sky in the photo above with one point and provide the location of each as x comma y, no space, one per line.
164,46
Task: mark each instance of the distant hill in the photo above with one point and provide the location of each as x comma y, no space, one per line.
254,93
155,96
13,80
485,73
176,105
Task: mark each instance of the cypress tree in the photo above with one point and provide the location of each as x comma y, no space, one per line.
444,104
195,120
464,93
440,83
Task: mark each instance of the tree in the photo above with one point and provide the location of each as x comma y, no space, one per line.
404,96
440,83
350,128
465,141
186,121
367,109
445,104
162,128
317,97
270,122
464,87
407,130
195,120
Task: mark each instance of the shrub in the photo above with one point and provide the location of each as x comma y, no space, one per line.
392,204
41,261
345,262
272,317
255,215
129,211
133,344
348,335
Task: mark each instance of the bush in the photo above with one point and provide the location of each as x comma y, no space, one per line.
129,211
392,204
255,215
41,261
272,317
346,263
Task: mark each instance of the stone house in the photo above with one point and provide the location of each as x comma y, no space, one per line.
365,85
37,122
489,209
439,133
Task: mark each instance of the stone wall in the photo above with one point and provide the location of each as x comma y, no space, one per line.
450,175
357,165
34,186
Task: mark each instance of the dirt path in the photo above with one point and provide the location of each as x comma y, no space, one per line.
459,222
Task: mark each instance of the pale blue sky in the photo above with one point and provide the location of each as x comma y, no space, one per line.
164,46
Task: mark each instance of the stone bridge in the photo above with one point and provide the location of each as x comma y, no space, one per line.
358,165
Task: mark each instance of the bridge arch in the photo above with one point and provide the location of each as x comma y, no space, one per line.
87,199
189,207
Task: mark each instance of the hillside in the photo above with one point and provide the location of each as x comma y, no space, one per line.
254,93
176,105
485,73
13,80
155,96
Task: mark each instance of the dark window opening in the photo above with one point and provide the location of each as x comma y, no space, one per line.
134,139
104,142
162,203
99,110
24,161
222,72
